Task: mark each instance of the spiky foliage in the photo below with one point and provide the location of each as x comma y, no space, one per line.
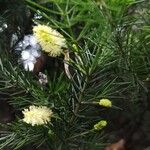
109,41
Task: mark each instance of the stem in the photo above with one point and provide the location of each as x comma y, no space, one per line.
81,134
90,103
79,100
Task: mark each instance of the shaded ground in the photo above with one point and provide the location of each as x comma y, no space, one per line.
138,140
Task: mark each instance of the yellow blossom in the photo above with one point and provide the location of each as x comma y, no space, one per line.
37,115
105,103
50,40
100,125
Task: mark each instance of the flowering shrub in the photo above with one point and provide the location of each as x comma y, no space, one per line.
94,63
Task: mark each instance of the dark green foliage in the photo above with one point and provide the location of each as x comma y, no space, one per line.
109,43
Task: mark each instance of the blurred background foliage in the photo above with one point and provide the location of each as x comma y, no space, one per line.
109,45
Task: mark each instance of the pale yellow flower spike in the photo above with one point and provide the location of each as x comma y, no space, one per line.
100,125
105,103
37,115
50,40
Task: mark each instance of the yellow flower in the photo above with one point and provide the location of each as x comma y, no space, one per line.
50,40
105,103
100,125
37,115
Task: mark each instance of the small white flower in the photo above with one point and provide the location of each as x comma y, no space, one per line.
30,52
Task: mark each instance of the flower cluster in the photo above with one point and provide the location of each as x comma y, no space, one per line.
105,103
50,40
100,125
37,115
